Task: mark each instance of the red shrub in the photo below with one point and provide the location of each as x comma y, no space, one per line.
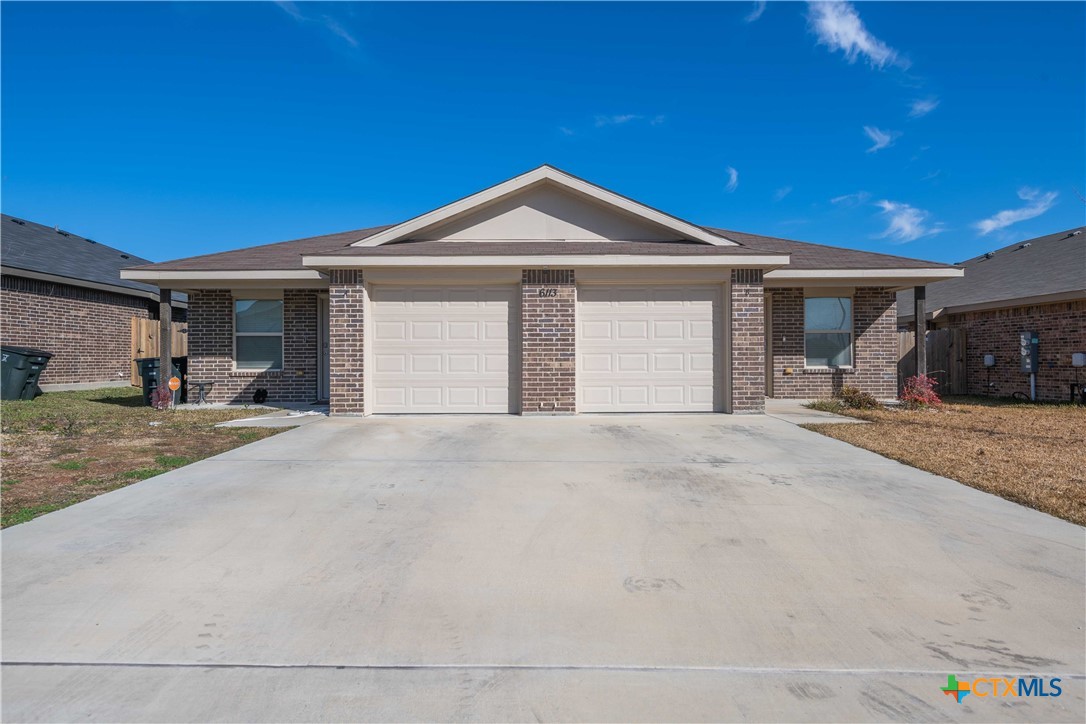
920,393
161,398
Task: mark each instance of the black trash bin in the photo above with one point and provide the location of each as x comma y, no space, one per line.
20,368
149,366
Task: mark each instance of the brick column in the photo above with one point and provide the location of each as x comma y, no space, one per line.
345,338
874,324
548,342
747,341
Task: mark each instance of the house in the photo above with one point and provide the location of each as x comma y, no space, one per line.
63,293
1036,286
542,294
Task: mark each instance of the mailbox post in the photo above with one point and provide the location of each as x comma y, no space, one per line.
1028,344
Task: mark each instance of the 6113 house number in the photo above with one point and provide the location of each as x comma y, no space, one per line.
548,292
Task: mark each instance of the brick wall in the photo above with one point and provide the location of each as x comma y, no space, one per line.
548,342
89,331
1062,329
211,349
748,341
346,298
874,319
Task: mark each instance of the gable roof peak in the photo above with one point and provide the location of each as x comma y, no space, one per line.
545,174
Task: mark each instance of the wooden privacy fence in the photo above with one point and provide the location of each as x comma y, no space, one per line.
946,359
145,342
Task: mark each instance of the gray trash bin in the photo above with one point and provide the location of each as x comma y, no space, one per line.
20,368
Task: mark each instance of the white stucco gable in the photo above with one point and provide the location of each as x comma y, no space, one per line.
545,204
547,213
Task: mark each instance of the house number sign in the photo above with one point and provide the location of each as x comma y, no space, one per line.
548,292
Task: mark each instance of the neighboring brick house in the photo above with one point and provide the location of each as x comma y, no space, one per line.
63,293
1037,285
544,294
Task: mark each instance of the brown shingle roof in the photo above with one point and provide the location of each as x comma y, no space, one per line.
287,255
806,255
522,248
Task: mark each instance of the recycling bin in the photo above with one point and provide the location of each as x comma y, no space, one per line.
149,367
20,369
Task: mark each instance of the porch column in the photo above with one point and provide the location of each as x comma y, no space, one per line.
346,297
165,317
920,295
747,341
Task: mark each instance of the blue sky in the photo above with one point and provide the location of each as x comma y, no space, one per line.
935,130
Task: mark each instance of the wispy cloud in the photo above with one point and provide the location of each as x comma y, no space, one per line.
657,120
1037,203
838,26
756,12
906,223
922,107
882,139
932,175
781,192
566,131
617,120
326,21
733,179
850,200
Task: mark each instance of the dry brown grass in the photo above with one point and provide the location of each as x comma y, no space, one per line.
66,447
1030,454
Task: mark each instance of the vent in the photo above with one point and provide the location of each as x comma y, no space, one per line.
20,222
989,255
1027,244
123,256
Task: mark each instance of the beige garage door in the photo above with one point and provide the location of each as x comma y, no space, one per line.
648,348
441,349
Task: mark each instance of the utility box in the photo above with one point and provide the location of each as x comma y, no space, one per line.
1028,343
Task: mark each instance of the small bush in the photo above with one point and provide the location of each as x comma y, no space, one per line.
853,398
919,393
825,404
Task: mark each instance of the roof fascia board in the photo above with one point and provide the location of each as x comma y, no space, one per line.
159,277
117,289
1034,301
560,261
540,175
869,277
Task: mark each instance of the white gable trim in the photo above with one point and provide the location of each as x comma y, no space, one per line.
543,174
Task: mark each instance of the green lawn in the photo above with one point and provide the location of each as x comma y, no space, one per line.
66,447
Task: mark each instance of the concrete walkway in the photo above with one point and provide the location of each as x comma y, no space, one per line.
604,568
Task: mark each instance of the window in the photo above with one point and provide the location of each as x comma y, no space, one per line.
258,334
827,331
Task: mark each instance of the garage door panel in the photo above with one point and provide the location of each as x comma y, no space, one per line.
498,363
441,349
647,349
638,362
668,362
463,331
596,362
460,364
390,330
396,363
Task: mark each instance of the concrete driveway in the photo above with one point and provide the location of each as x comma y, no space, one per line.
583,568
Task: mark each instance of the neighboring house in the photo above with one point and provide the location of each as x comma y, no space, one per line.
542,294
1036,286
64,294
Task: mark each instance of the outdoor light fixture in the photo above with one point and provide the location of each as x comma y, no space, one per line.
989,363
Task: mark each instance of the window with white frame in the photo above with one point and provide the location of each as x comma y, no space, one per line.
827,331
258,334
